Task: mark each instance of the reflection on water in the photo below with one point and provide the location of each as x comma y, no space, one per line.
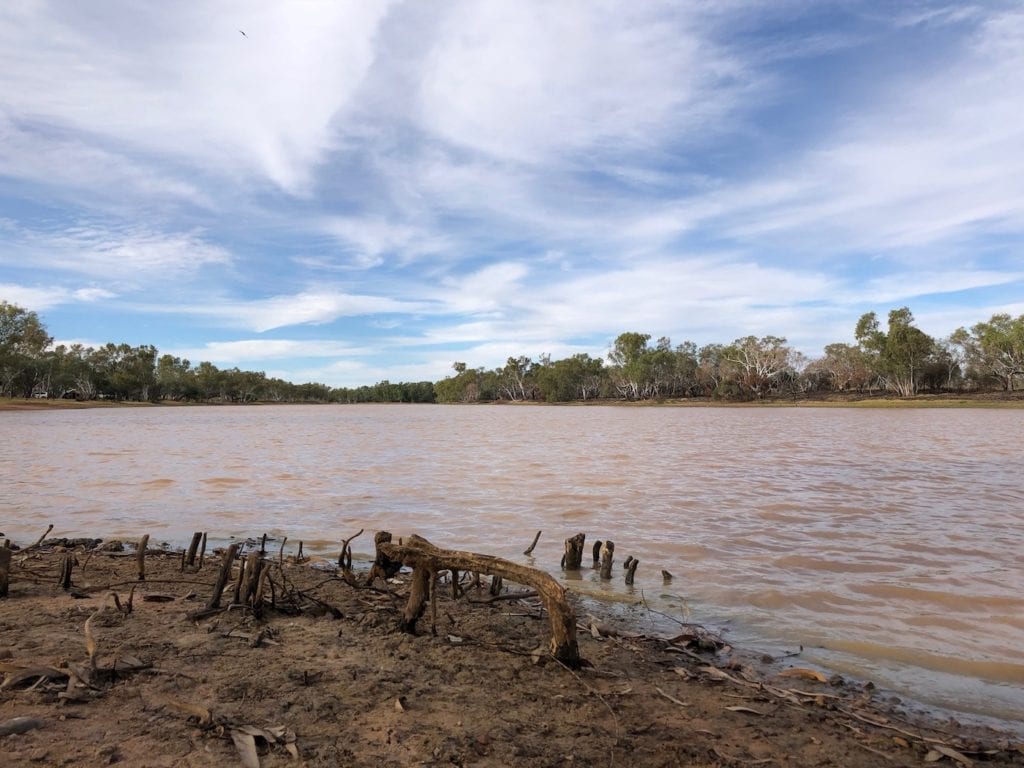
887,542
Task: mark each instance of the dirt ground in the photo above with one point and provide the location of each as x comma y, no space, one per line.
322,677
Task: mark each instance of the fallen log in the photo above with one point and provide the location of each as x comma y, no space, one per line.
426,560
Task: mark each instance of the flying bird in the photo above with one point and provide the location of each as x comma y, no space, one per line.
242,33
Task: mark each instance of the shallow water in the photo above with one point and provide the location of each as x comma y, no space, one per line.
887,542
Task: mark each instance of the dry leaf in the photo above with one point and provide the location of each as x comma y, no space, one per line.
400,705
245,743
932,757
804,674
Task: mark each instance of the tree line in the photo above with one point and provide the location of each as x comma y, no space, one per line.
900,359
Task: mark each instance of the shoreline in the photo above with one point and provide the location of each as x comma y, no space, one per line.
469,688
985,400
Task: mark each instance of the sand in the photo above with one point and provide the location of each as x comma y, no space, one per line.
324,678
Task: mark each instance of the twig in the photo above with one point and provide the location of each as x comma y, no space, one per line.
529,550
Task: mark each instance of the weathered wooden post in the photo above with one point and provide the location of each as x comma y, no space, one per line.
67,563
597,553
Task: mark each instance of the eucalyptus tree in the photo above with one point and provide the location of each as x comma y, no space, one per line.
994,349
899,355
759,364
23,339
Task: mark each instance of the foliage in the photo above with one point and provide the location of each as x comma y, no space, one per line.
902,359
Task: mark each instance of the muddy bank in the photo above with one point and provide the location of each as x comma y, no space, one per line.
317,674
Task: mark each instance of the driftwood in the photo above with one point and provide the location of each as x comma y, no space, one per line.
202,550
573,557
426,560
5,569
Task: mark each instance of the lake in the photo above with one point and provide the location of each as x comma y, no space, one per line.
889,542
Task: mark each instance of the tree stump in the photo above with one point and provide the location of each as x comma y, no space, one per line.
631,570
607,557
5,569
426,560
140,556
383,566
597,553
67,563
573,557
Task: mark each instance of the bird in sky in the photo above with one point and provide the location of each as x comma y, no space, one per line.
242,33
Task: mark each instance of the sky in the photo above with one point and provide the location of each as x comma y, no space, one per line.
351,191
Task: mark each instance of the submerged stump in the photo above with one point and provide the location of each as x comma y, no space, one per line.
573,557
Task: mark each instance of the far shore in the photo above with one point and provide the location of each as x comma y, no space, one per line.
830,400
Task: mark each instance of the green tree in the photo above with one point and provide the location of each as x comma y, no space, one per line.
994,349
899,355
759,364
23,340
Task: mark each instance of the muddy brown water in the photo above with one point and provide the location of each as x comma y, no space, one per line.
889,543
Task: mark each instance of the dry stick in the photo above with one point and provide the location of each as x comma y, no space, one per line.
631,570
263,545
190,558
140,554
202,550
40,539
345,558
573,556
5,569
607,558
496,585
280,555
298,557
248,585
222,577
529,550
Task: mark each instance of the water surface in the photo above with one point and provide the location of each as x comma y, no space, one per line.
887,542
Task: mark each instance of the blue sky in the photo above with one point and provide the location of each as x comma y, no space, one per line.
357,191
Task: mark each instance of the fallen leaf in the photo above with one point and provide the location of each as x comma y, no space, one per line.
805,674
933,757
90,641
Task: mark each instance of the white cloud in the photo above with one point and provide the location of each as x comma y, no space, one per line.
39,299
251,350
525,80
180,79
313,307
129,254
